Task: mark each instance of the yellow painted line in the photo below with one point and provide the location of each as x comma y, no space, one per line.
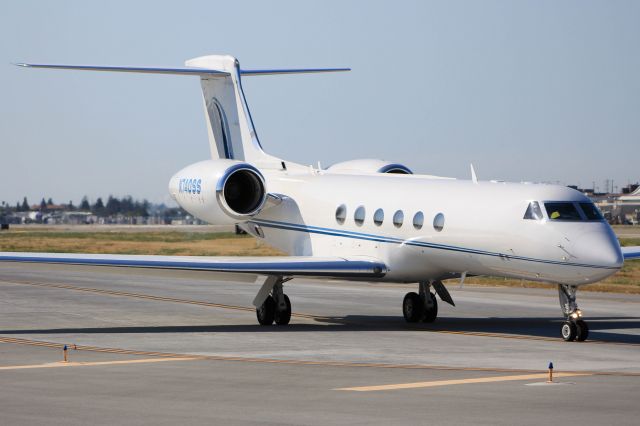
19,341
92,364
317,363
437,383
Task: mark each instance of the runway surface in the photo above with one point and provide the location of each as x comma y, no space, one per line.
168,347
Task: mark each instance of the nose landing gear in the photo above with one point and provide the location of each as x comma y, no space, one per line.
574,327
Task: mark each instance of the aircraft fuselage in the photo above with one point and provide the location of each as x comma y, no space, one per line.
465,227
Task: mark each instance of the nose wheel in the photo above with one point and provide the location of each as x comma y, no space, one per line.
574,327
569,331
583,330
575,330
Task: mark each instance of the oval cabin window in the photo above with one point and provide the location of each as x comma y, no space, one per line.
378,217
358,216
438,222
398,218
418,220
341,214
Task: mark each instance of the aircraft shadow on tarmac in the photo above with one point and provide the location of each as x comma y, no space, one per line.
520,327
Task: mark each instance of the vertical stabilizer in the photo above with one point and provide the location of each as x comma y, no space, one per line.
229,125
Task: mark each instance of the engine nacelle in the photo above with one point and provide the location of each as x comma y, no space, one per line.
369,166
219,191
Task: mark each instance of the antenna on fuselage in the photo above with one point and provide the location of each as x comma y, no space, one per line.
474,178
463,276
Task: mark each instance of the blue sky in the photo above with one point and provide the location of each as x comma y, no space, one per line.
526,90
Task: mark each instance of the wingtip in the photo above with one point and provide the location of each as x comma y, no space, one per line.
20,64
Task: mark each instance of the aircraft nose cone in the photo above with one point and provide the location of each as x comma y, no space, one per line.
599,247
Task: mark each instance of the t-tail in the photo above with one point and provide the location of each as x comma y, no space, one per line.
232,134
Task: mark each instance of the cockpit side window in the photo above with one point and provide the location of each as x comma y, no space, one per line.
591,212
533,211
562,211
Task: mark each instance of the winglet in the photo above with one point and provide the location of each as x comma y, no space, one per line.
631,252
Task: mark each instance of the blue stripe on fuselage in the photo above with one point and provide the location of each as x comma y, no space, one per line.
392,240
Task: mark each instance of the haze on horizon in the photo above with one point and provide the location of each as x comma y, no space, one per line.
526,91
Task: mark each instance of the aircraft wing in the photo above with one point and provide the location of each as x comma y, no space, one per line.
309,266
631,252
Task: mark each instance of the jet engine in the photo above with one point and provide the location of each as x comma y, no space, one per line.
220,191
365,166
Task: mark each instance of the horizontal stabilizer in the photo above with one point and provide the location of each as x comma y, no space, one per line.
631,252
144,70
292,71
282,265
182,70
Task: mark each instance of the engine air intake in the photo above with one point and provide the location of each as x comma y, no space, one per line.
397,169
241,190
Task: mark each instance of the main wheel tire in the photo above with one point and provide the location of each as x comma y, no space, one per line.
412,307
569,331
430,314
266,312
582,332
283,317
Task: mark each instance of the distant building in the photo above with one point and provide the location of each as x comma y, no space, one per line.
630,189
621,208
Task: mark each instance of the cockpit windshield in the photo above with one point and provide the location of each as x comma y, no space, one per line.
573,211
591,212
562,211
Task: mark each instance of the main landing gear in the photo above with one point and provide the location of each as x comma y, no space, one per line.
423,306
272,305
574,327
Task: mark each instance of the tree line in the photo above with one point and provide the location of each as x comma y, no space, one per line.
125,206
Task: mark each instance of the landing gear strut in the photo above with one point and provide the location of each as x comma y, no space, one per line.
574,327
276,306
420,307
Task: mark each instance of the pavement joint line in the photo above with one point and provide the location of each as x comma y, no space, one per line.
152,297
438,383
298,315
321,363
93,363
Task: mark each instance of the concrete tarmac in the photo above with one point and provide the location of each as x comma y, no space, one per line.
170,347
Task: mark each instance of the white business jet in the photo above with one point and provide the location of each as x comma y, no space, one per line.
367,219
